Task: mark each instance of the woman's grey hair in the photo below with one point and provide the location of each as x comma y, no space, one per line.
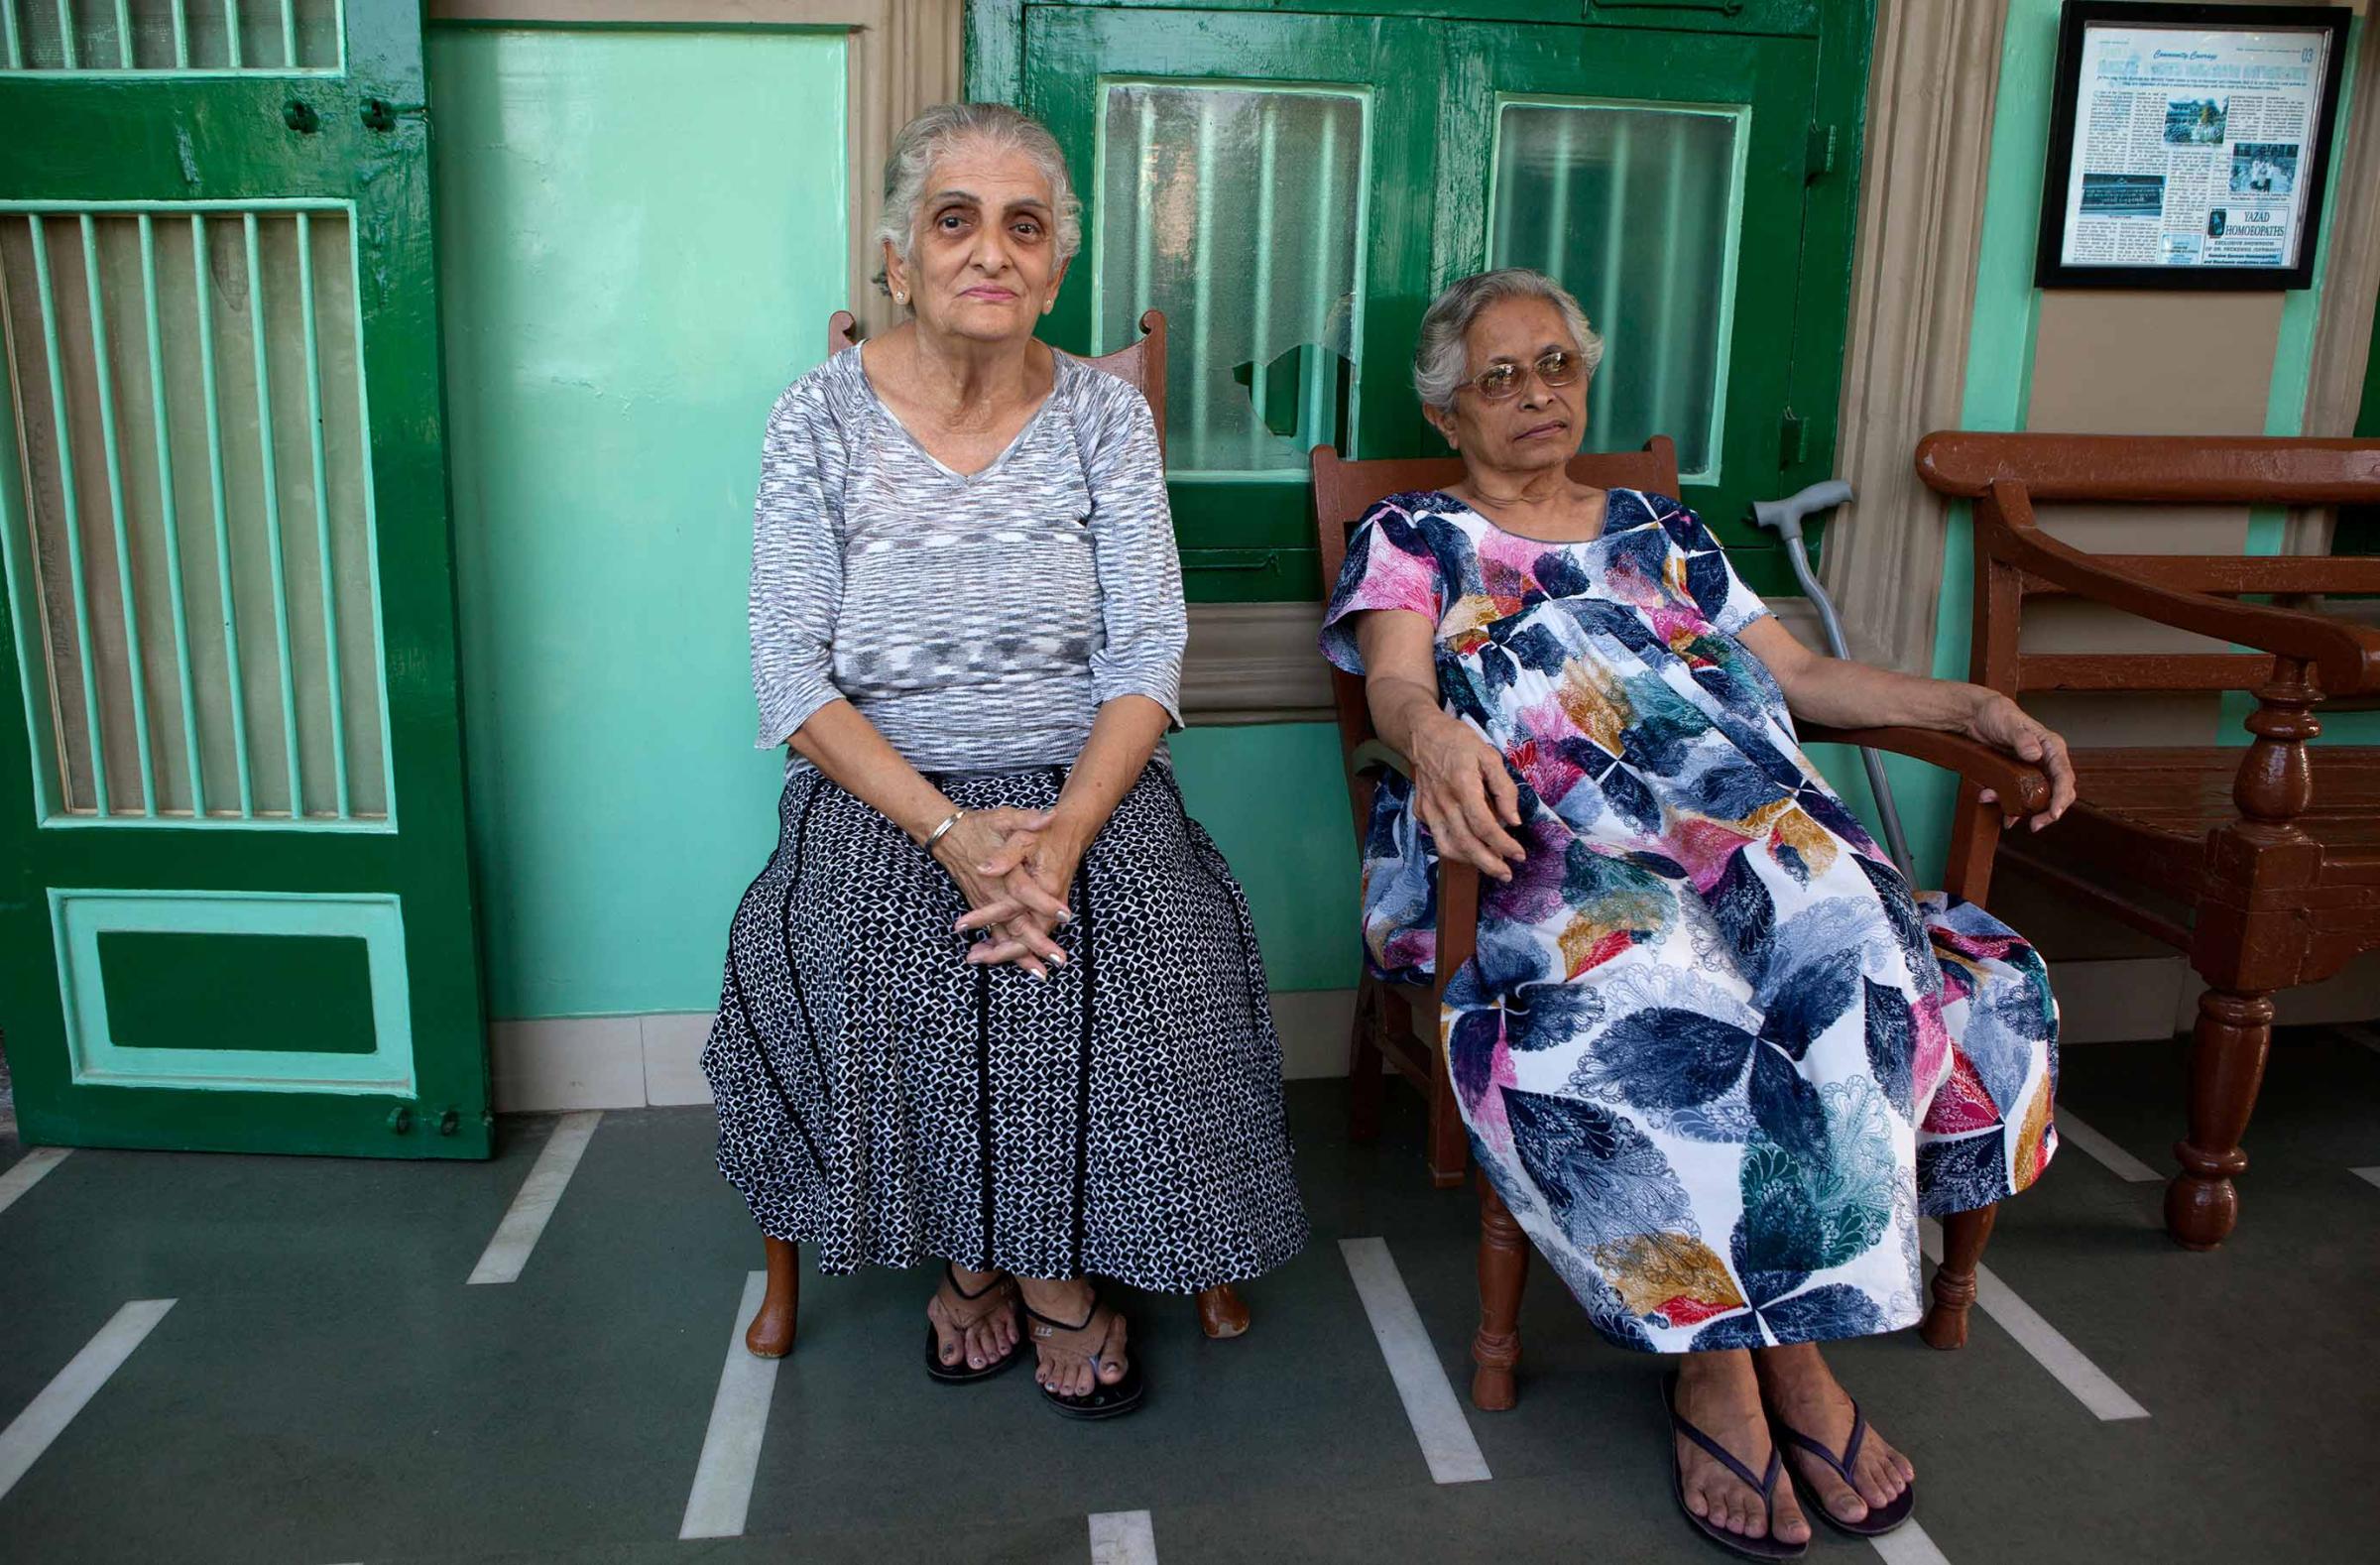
1441,357
925,141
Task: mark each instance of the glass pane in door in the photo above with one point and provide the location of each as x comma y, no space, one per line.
1634,208
1238,210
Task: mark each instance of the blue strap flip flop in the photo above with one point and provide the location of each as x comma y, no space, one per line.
1761,1548
1880,1520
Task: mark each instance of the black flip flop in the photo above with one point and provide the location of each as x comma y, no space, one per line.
1102,1401
1880,1520
961,1373
1762,1548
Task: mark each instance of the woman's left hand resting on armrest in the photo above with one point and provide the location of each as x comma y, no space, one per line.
1841,693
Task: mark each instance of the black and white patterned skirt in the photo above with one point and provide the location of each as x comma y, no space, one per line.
886,1101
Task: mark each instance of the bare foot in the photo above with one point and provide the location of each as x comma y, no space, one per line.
1066,1353
983,1329
1806,1397
1718,1394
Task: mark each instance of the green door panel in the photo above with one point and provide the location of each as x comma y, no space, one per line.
1734,251
1249,535
235,904
306,992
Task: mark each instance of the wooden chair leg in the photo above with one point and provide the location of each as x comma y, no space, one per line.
1220,1313
1364,1083
770,1334
1503,1272
1450,1142
1964,1235
2226,1066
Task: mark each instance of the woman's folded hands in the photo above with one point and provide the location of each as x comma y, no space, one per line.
1007,864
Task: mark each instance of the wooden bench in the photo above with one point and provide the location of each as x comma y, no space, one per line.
2261,861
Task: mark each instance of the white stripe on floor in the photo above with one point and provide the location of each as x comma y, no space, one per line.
2106,1152
1907,1544
2368,1175
1436,1418
731,1447
1123,1537
2048,1345
26,1172
540,1194
48,1414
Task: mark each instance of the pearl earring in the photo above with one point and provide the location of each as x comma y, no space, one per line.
900,298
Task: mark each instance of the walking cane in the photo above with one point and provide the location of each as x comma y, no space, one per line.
1784,518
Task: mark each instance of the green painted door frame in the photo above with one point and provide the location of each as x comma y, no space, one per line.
99,913
1436,71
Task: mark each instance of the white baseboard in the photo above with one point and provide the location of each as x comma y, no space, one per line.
562,1063
654,1060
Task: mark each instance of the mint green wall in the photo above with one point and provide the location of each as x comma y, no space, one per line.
1275,803
641,235
1999,376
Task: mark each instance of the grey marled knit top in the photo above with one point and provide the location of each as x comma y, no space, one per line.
977,622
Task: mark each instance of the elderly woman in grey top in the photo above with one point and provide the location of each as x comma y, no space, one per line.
996,997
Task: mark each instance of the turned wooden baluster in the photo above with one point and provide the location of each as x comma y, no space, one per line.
1504,1271
2245,946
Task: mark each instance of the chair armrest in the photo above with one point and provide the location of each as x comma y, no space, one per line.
2348,656
2023,788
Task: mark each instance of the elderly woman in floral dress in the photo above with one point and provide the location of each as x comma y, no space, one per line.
1713,1055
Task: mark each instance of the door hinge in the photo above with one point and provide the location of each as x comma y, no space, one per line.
1793,438
1818,160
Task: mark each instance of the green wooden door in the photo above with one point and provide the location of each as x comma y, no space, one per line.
236,911
1292,189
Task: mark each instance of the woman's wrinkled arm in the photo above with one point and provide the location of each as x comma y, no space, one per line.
1461,790
1841,693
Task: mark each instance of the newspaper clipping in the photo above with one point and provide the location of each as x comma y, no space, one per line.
2189,145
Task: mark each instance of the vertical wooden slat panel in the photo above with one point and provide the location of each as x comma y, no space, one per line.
1613,221
231,31
222,514
331,608
346,453
181,49
288,34
128,600
72,523
66,35
124,59
269,489
162,424
8,25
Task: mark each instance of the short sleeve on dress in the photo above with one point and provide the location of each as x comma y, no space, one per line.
1388,567
1712,581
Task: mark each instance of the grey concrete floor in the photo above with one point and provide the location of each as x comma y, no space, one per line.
328,1389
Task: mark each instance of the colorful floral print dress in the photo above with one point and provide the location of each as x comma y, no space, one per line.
1713,1054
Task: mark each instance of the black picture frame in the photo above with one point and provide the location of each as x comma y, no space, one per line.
2050,271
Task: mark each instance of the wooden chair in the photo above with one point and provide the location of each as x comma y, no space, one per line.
1220,1313
1385,1027
2270,852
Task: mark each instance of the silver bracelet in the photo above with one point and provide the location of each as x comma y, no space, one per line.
936,834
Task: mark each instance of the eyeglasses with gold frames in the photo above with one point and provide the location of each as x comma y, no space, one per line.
1501,381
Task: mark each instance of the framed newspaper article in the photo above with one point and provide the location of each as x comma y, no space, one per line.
2189,145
